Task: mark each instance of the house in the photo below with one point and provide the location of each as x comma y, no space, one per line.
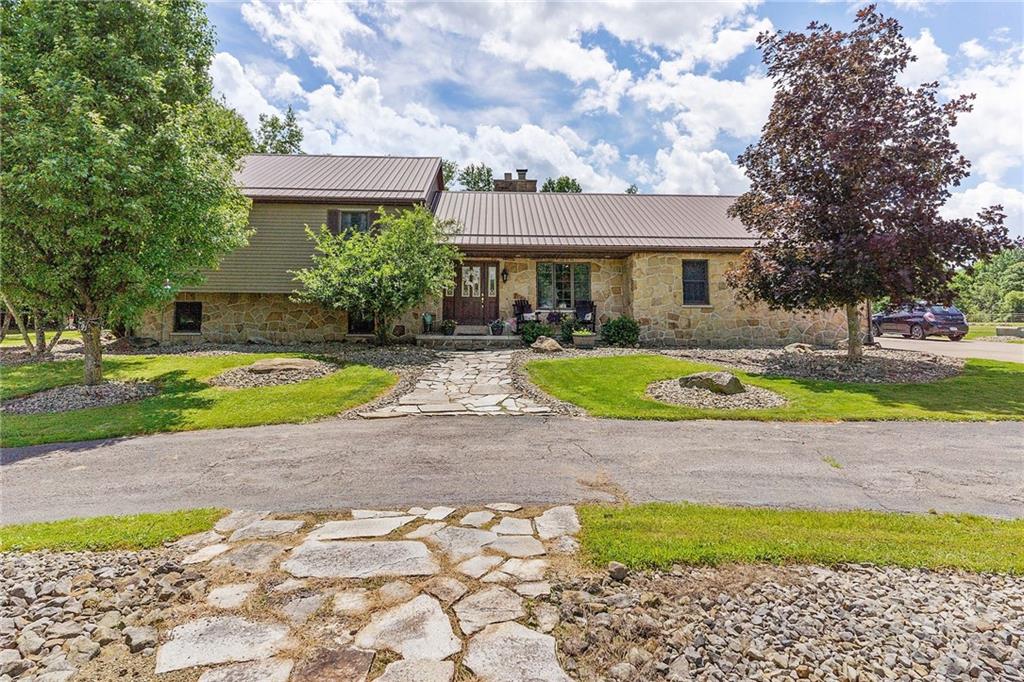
660,259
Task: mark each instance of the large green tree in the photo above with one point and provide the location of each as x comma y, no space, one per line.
562,183
849,176
117,161
992,289
449,171
405,258
278,135
477,177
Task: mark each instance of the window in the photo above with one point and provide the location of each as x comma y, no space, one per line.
695,282
470,281
560,285
359,324
492,280
348,221
188,317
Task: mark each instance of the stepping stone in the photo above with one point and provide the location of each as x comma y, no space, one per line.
299,609
359,528
374,514
205,554
557,521
565,544
478,565
441,408
258,530
230,596
221,639
416,511
493,605
497,577
423,398
534,589
425,530
418,671
347,664
488,389
395,591
525,569
510,652
507,507
518,545
513,526
447,590
489,400
316,559
237,519
438,513
461,543
289,585
477,519
191,543
547,617
354,602
256,557
389,412
271,670
415,630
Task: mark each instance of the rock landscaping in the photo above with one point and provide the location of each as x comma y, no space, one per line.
752,397
77,397
274,372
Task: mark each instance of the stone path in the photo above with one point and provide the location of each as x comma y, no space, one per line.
380,595
463,383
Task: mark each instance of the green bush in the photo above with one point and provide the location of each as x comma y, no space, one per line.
529,331
569,325
622,331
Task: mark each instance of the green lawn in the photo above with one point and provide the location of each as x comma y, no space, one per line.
614,386
14,338
980,330
185,402
107,532
661,534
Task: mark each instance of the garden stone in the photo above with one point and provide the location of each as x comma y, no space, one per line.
546,616
12,664
289,585
546,344
497,577
377,514
506,507
518,546
205,554
197,540
799,348
716,382
557,521
525,569
274,365
415,630
223,639
617,571
418,671
425,530
461,543
447,590
230,596
30,643
259,530
438,513
357,559
299,609
139,638
536,588
359,528
478,565
513,526
492,605
270,670
348,664
476,519
237,519
354,602
510,652
255,557
395,591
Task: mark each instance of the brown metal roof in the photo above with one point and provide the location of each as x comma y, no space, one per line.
592,222
308,177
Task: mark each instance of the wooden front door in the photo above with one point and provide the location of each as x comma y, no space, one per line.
474,299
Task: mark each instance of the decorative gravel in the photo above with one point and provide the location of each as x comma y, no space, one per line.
242,377
77,397
806,622
753,398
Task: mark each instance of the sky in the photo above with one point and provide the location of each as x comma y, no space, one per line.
663,95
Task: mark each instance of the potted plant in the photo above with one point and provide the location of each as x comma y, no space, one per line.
583,338
448,327
497,327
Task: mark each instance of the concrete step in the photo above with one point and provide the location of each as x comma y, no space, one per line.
467,342
472,330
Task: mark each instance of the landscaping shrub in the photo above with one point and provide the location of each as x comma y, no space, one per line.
622,331
569,325
529,331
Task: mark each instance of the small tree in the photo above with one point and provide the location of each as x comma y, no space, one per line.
476,177
449,169
632,189
406,258
117,175
561,184
279,136
848,178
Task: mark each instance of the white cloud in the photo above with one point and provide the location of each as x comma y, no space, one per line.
967,203
232,81
931,61
686,168
972,49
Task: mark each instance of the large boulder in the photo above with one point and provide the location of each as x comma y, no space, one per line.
546,344
799,348
716,382
142,342
272,365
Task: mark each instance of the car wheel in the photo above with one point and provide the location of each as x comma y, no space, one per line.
956,337
876,330
917,332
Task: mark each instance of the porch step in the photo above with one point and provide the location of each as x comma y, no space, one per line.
460,342
472,330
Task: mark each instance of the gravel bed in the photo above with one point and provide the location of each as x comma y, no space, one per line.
78,396
803,622
753,398
243,377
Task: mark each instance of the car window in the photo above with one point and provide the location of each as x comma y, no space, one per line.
943,309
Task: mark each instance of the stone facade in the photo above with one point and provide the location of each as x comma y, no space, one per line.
655,299
607,284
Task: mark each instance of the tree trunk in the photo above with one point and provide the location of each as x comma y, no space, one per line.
39,347
4,327
53,341
93,352
20,322
380,328
855,343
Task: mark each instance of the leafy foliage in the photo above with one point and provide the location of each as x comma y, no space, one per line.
449,169
622,331
849,175
117,168
569,325
633,189
476,177
561,184
279,136
404,259
992,289
531,331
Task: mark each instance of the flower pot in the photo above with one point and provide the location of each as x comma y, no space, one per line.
584,340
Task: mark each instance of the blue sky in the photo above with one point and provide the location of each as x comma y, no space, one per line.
661,95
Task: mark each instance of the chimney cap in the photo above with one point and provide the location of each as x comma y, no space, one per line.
521,172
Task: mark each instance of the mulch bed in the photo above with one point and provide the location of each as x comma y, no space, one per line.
753,398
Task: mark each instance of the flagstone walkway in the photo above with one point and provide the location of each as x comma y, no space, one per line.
463,383
381,595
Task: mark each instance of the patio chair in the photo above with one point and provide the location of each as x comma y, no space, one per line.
586,315
522,310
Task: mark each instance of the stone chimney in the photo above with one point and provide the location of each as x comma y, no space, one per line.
519,184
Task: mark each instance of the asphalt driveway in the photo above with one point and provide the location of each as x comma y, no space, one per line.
985,350
905,466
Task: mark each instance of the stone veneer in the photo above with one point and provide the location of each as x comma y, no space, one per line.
607,284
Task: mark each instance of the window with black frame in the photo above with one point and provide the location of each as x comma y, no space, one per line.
695,282
560,285
188,317
340,222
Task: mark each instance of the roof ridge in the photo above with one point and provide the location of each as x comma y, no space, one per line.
344,156
587,194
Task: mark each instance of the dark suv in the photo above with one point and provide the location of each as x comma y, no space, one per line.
921,320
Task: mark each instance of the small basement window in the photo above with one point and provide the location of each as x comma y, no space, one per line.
695,282
188,317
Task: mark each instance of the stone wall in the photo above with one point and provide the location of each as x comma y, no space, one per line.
656,301
607,284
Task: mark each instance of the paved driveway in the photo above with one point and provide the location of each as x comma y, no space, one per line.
986,350
912,466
